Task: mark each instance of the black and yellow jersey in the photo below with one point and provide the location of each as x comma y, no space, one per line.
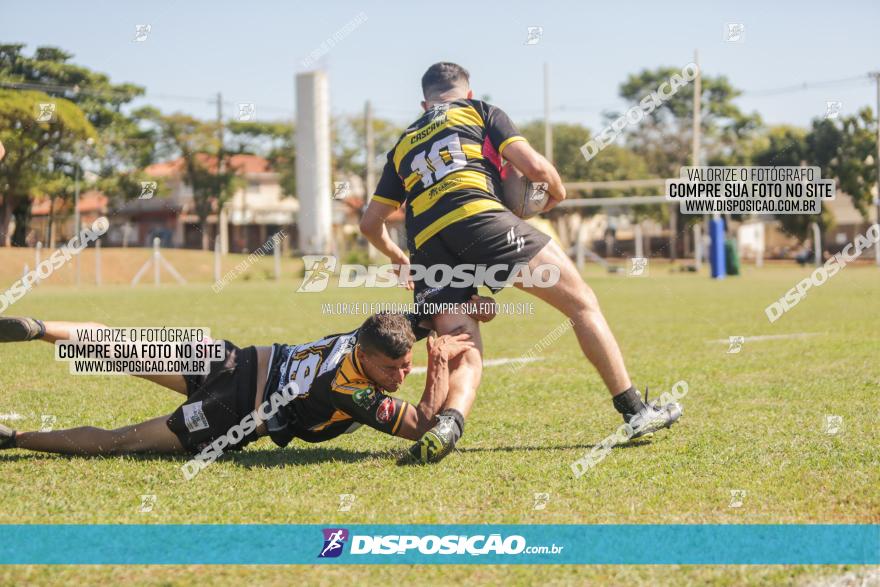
447,166
332,395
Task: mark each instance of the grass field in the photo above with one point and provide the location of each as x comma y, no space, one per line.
753,421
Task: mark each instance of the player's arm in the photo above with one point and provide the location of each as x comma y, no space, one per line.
374,230
417,420
390,195
363,403
513,147
536,167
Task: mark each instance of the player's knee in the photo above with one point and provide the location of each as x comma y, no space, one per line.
585,300
474,356
471,359
552,254
574,299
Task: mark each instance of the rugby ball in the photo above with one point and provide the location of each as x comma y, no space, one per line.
522,197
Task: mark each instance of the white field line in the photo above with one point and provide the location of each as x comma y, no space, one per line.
489,363
767,337
12,416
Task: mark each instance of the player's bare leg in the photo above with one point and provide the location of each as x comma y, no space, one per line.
26,329
465,370
465,373
576,300
152,436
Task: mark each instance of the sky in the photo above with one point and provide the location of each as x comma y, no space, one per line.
251,51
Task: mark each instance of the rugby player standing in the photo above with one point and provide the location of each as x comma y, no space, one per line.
446,168
339,383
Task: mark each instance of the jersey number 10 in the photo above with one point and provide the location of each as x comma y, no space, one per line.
433,167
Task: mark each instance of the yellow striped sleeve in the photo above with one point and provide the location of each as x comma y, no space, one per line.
403,409
507,142
388,201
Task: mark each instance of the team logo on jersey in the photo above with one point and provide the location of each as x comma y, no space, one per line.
334,541
423,295
364,397
385,411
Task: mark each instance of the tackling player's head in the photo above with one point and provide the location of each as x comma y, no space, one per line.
384,349
445,82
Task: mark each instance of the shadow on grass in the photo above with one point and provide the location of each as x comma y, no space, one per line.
308,455
302,456
631,444
248,459
404,459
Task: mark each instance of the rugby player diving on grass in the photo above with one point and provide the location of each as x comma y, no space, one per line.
331,386
446,169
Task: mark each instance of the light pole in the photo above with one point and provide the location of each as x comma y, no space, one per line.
76,216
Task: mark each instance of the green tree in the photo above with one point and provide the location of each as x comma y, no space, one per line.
198,144
349,140
788,146
664,136
843,149
272,140
615,163
29,165
120,147
853,161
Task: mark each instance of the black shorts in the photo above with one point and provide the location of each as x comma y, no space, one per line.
218,401
494,237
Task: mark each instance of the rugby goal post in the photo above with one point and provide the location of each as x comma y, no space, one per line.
716,224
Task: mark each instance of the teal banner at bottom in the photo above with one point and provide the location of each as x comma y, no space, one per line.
440,544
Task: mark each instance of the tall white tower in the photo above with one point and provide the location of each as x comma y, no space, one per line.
313,187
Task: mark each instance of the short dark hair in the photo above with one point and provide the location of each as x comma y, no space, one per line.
388,333
442,77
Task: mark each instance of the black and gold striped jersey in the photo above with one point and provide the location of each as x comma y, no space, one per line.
447,166
333,395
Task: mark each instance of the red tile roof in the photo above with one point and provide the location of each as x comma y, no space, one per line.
243,163
90,201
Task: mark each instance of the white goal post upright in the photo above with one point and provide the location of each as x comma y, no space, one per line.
313,188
